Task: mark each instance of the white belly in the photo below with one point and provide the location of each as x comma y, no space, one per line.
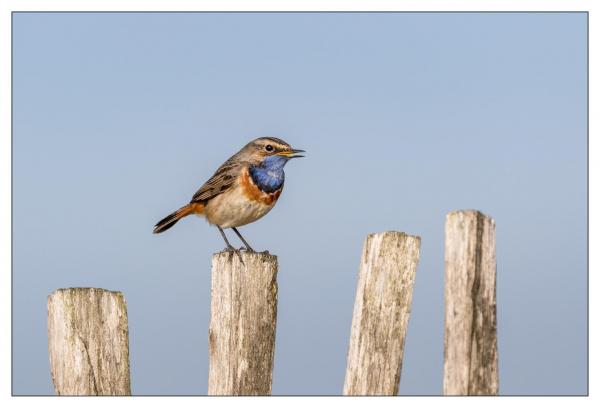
233,209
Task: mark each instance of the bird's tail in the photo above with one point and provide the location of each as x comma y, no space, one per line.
171,219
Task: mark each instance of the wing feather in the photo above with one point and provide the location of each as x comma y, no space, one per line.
224,177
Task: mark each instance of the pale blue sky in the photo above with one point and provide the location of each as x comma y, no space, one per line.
119,118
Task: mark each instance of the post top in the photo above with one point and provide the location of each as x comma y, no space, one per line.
264,256
86,289
468,213
391,234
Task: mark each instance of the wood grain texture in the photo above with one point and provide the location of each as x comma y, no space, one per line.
88,342
381,312
242,324
470,345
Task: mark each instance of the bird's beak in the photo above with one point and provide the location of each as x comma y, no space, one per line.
293,153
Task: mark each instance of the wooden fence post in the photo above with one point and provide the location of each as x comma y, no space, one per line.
381,311
242,324
88,342
470,348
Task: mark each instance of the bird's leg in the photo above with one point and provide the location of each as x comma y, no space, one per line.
248,247
229,246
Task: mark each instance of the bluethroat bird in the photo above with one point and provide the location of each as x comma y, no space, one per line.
242,190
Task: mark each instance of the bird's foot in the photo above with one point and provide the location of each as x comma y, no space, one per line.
232,249
250,250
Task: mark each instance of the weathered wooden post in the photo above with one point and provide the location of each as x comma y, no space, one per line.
381,311
242,324
470,349
88,342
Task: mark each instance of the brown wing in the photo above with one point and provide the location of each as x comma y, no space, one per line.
223,178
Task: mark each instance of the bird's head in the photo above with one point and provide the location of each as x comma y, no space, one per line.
269,152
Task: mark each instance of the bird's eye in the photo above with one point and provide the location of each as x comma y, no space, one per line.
269,148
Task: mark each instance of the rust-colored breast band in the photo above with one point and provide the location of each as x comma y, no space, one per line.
252,192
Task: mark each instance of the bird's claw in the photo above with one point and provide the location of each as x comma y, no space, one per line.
230,248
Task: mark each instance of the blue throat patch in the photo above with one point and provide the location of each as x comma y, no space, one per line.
269,175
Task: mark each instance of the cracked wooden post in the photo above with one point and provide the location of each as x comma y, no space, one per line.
381,312
243,313
88,342
470,349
